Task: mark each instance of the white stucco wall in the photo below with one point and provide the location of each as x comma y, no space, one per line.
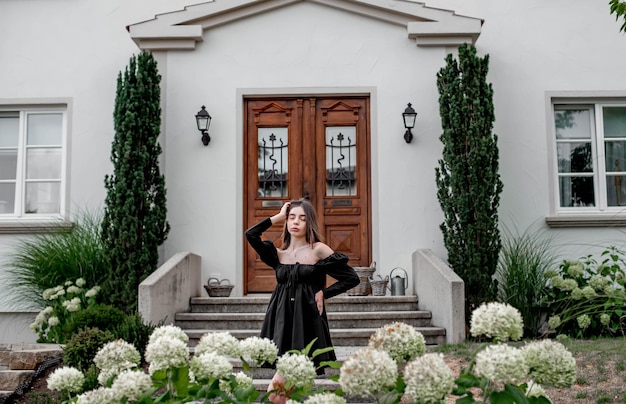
75,50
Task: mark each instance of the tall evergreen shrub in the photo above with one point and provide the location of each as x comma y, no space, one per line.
135,221
468,182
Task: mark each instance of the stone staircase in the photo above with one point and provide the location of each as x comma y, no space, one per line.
352,319
19,364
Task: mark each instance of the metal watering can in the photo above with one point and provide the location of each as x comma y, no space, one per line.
398,284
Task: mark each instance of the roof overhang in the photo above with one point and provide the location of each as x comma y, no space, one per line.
185,28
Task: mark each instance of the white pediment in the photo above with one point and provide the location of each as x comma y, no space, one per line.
185,28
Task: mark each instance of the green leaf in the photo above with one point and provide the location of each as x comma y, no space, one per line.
321,350
466,380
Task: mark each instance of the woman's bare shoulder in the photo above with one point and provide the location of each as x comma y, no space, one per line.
321,250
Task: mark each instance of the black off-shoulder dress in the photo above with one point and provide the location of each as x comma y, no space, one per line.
292,319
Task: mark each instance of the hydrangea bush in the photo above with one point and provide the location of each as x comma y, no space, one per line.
588,299
63,302
394,368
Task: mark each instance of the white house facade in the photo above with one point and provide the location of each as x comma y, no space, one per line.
306,98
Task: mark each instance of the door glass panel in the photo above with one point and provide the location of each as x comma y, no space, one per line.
341,161
273,157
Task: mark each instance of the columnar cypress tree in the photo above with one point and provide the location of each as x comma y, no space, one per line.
134,222
467,178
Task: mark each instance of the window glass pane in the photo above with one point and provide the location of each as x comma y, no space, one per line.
9,129
616,190
43,164
573,123
614,119
576,191
615,155
8,164
45,129
43,197
341,161
574,157
7,198
273,162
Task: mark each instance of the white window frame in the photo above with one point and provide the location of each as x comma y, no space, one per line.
20,221
584,216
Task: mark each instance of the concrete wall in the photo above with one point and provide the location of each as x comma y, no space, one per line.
440,291
15,327
168,289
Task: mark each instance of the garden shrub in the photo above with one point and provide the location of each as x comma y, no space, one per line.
43,261
524,260
589,299
133,329
100,316
55,323
82,347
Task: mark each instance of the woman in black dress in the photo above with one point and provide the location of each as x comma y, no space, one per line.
296,315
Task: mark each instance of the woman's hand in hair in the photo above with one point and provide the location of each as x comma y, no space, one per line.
282,215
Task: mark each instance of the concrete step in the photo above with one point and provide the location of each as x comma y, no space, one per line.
242,321
341,303
340,337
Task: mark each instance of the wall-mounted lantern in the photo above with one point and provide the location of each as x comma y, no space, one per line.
203,120
408,116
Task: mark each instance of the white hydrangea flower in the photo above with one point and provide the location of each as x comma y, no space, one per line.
221,342
66,379
52,321
242,380
115,357
258,350
166,352
102,395
93,291
598,282
550,363
210,365
171,331
428,379
131,385
575,269
569,284
584,321
499,321
605,319
324,398
369,372
535,390
80,282
297,370
72,305
74,290
501,363
402,341
554,322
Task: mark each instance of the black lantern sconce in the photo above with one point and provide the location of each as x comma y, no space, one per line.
203,120
408,116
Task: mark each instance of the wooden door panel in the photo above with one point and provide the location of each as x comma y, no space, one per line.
345,238
327,145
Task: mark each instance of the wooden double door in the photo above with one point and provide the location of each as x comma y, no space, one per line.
313,147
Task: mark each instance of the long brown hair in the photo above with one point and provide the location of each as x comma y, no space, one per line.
312,234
